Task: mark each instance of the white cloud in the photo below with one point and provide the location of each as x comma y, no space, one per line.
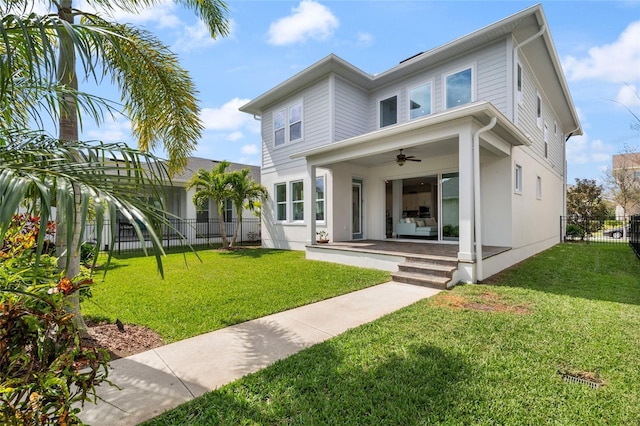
235,136
310,20
250,149
227,117
617,62
629,95
197,36
582,150
365,39
113,131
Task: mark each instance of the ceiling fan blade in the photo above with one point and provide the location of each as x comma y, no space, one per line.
414,159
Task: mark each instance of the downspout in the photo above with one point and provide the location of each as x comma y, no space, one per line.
541,31
477,216
563,223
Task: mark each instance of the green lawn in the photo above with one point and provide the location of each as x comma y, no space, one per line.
480,354
225,288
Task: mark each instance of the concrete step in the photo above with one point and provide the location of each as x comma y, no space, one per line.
433,260
422,279
427,269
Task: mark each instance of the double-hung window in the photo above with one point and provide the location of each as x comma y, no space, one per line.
546,140
539,187
278,127
539,110
281,202
388,111
420,101
459,88
287,124
297,200
228,210
320,198
519,83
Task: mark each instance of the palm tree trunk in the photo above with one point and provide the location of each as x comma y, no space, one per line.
238,227
223,225
68,132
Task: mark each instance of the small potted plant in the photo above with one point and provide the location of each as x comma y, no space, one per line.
323,237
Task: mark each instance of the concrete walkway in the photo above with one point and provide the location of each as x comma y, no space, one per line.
162,378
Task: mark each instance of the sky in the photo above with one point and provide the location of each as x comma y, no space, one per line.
598,43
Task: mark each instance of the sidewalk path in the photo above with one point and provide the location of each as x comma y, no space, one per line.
162,378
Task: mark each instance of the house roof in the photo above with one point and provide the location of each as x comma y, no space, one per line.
522,25
195,163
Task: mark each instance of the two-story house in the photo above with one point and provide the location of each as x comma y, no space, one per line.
461,147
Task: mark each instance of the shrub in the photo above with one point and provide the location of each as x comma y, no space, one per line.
44,369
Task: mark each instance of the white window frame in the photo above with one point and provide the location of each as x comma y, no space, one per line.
471,67
538,187
539,110
321,200
431,101
288,124
280,202
228,210
296,202
519,83
546,139
379,103
518,179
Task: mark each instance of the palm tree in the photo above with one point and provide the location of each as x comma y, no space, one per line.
245,192
157,94
213,184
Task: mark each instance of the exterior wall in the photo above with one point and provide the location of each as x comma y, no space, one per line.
316,125
352,115
527,121
497,190
490,74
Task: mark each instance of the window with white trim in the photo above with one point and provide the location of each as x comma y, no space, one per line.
539,110
202,213
388,111
295,122
546,140
287,124
518,179
420,101
281,202
278,127
320,197
297,200
459,88
539,187
228,210
519,83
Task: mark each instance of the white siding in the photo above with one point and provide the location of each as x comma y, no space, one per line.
352,115
492,75
315,125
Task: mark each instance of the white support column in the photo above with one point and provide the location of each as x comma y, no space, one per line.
310,204
397,203
465,165
190,208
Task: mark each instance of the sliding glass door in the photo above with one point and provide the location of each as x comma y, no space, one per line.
450,206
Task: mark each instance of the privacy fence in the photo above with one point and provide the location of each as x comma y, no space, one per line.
182,232
618,230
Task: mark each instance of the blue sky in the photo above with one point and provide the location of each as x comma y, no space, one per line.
598,43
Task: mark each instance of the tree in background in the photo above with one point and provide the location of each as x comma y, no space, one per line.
213,184
245,193
623,180
40,59
586,207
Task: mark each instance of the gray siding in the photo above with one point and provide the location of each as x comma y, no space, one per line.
527,121
316,125
351,110
492,75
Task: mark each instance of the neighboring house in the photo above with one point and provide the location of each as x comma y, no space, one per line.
196,226
487,114
627,168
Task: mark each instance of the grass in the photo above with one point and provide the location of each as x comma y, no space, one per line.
225,288
480,354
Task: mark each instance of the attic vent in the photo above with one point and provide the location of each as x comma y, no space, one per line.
593,383
411,57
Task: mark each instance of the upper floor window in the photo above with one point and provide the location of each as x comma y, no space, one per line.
539,110
389,111
519,83
287,124
281,201
546,140
459,88
420,101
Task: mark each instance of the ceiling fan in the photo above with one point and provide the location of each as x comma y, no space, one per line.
401,158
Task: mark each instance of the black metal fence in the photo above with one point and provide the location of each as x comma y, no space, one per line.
181,233
618,230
